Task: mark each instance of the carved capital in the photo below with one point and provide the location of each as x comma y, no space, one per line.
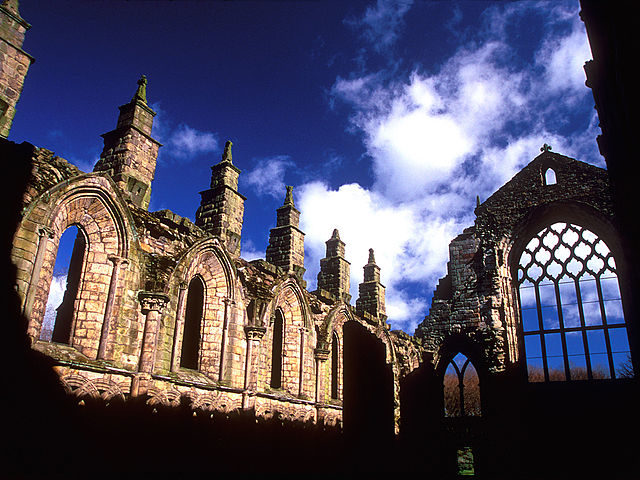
152,302
118,260
321,354
254,332
45,232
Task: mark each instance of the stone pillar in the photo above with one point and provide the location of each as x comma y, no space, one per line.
223,343
371,292
303,331
179,327
321,356
44,235
286,241
152,305
254,335
221,210
14,62
107,322
335,269
129,155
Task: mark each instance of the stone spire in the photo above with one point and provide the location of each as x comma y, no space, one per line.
15,62
221,210
371,292
130,154
335,269
286,240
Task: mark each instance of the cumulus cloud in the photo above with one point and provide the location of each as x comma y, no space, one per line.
436,140
409,246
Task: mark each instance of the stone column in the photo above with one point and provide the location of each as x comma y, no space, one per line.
152,305
179,327
303,330
45,234
225,326
107,323
321,355
254,335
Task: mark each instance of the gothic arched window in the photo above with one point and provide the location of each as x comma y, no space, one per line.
192,324
276,350
569,298
461,389
65,284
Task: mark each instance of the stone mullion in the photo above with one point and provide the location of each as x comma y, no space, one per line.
107,323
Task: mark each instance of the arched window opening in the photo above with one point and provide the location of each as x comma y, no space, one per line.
192,324
572,320
65,284
276,350
461,389
335,359
550,177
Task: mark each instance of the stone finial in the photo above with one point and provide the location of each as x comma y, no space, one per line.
477,201
545,148
226,155
372,259
288,199
336,234
141,92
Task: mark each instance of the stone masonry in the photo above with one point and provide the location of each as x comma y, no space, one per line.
165,313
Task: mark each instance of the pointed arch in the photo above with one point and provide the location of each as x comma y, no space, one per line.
222,320
290,306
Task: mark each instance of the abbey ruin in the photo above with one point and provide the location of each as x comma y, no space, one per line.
164,324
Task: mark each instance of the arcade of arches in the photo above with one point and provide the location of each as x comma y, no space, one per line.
528,329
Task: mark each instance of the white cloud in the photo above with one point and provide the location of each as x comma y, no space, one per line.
381,23
409,245
267,177
437,139
183,142
186,142
56,293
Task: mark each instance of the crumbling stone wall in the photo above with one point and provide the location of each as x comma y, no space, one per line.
477,299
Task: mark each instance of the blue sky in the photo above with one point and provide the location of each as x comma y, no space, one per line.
388,117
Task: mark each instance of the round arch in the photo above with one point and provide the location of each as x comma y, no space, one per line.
91,203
